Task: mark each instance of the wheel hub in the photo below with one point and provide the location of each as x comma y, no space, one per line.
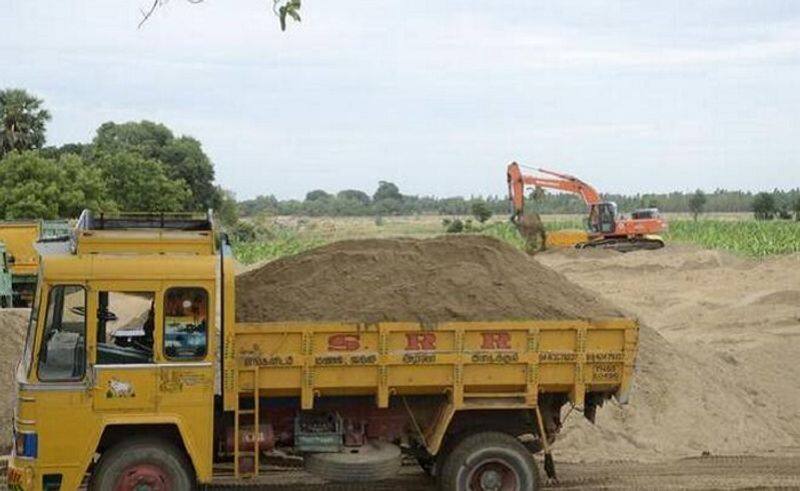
491,480
493,475
143,477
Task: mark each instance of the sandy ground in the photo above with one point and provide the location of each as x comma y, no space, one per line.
717,371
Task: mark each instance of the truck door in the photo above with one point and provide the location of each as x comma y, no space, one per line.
125,374
63,403
187,371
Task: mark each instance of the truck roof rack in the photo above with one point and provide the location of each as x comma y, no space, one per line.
144,233
193,222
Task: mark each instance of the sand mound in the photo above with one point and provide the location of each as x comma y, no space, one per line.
453,278
714,372
12,329
786,297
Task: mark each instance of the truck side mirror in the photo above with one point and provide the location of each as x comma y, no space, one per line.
11,259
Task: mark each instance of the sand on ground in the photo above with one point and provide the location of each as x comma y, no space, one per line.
717,371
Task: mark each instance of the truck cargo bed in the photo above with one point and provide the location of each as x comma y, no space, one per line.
511,362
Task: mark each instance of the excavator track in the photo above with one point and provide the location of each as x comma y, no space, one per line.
624,244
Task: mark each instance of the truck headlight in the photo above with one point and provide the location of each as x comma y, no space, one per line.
26,445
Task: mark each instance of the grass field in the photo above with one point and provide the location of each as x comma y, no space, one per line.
735,232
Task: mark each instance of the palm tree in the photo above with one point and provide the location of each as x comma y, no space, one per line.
22,121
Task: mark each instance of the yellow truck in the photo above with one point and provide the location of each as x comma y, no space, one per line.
17,237
136,375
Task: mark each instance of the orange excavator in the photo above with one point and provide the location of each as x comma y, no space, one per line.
606,228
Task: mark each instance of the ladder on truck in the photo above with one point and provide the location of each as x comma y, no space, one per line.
247,407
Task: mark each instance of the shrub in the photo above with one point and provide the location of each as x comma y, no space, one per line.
455,227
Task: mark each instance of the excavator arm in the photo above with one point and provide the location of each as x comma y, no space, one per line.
517,182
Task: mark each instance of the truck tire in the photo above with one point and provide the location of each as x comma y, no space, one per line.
140,462
371,462
489,461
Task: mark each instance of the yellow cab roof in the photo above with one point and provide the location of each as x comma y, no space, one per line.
134,247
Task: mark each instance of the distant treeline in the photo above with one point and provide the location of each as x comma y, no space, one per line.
388,200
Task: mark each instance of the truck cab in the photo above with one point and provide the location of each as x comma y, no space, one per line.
121,345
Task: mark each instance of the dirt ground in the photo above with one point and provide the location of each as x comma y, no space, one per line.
700,473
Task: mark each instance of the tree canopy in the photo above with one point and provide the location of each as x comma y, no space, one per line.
33,186
183,158
136,183
764,206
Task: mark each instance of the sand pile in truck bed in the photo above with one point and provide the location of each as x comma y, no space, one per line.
452,278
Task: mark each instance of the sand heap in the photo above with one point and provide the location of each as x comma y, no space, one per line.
12,330
453,278
715,371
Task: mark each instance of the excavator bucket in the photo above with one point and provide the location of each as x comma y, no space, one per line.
531,229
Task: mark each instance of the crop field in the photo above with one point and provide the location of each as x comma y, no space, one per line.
734,232
751,237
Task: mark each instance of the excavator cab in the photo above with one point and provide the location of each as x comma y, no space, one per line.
603,218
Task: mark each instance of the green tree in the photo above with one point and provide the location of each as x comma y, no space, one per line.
388,206
183,158
317,195
22,121
84,187
764,206
139,184
354,195
697,203
796,208
481,211
80,149
32,186
387,190
227,211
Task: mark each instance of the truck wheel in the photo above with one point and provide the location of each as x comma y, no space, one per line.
371,462
143,464
489,461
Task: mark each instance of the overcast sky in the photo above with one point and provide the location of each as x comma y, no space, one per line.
437,96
